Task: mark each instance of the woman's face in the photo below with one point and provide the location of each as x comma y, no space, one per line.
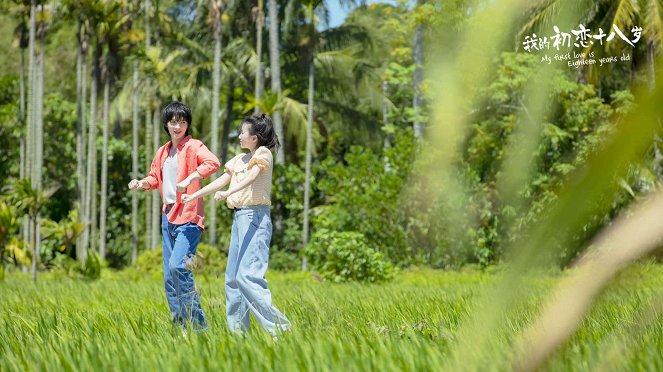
177,128
246,139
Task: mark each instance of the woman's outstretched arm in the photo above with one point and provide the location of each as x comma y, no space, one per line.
213,186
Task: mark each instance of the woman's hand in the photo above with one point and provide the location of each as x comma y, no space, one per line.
220,195
135,184
187,198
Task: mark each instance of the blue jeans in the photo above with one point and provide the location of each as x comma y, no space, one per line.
246,286
179,247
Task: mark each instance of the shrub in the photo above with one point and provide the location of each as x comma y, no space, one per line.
376,208
73,269
346,256
284,260
91,270
209,261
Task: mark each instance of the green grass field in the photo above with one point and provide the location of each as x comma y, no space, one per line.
412,324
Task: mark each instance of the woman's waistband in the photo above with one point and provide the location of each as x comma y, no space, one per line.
250,207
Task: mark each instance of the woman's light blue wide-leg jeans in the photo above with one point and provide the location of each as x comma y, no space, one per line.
246,286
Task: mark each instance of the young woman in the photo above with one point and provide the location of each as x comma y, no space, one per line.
250,178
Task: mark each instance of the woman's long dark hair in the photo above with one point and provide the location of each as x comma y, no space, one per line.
261,126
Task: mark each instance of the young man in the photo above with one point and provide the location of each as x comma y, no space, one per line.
177,168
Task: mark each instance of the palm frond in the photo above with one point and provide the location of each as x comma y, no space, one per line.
653,21
346,35
192,46
625,14
294,119
624,18
540,17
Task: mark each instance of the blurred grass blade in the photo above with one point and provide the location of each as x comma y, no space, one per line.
632,235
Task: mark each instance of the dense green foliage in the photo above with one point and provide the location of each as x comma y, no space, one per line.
576,125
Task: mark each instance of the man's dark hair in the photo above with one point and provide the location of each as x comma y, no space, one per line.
178,111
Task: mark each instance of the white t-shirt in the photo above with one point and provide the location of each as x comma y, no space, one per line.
169,172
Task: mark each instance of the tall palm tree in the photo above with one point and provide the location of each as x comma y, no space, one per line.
91,171
134,163
104,169
78,11
32,57
309,127
259,16
81,130
93,14
29,232
385,123
135,124
156,131
39,100
22,31
24,41
148,136
156,200
37,170
148,160
216,87
275,71
110,29
418,54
